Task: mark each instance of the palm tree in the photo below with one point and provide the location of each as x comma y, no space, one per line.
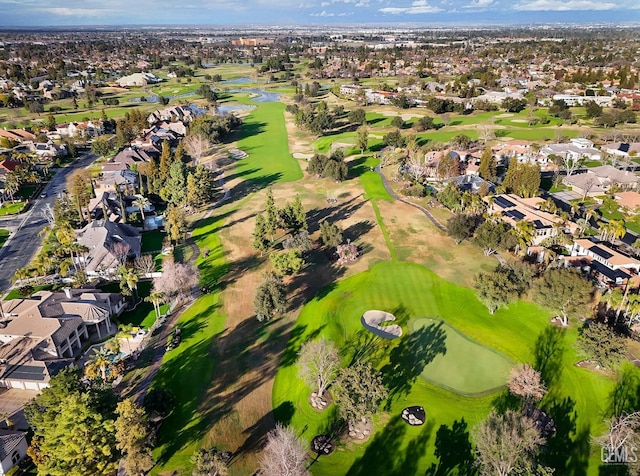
11,184
157,298
130,279
142,202
524,232
101,359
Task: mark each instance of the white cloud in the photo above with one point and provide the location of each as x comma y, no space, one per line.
478,4
74,12
417,7
563,6
324,13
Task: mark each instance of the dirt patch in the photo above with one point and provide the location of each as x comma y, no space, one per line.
504,115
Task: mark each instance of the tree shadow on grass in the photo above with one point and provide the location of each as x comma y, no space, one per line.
454,450
333,213
385,454
365,346
409,357
548,353
567,450
625,397
297,338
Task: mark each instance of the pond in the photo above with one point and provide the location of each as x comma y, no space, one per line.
243,80
154,98
260,94
228,109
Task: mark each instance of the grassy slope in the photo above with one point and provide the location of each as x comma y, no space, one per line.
264,138
412,290
188,369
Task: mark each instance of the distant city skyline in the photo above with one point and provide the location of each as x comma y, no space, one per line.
23,13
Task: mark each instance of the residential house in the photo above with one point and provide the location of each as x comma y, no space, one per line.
104,239
171,114
575,100
471,183
576,149
138,79
42,334
349,90
608,264
598,180
512,209
629,201
622,149
13,449
17,135
80,129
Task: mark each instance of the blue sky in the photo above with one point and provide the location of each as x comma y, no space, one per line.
203,12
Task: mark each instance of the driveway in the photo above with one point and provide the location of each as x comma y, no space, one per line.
12,401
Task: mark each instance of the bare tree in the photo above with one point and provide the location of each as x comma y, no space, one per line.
319,362
177,279
623,435
506,444
589,183
145,265
417,167
525,381
284,454
196,146
486,132
120,250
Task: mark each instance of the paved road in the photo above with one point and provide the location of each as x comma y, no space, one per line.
24,240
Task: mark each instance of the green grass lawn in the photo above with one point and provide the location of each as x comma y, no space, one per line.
264,138
152,241
187,371
577,399
4,236
463,366
8,208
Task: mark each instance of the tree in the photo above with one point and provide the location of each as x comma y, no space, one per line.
358,116
460,227
318,362
494,289
121,251
156,298
285,453
209,462
526,382
142,203
416,167
363,138
514,104
80,188
272,217
598,342
101,146
397,122
177,223
330,234
506,444
270,297
177,279
358,390
165,161
564,290
175,186
300,241
196,146
623,435
593,109
292,216
260,240
132,437
448,166
393,139
492,236
11,184
487,168
287,262
522,179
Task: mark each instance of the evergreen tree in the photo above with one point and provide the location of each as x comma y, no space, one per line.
175,188
179,154
487,169
270,297
272,217
260,241
165,161
132,434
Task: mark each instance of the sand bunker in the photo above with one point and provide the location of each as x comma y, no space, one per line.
237,153
372,320
300,155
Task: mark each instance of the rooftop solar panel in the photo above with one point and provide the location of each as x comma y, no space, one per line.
503,202
600,252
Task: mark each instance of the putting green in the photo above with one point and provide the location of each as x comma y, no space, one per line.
466,367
